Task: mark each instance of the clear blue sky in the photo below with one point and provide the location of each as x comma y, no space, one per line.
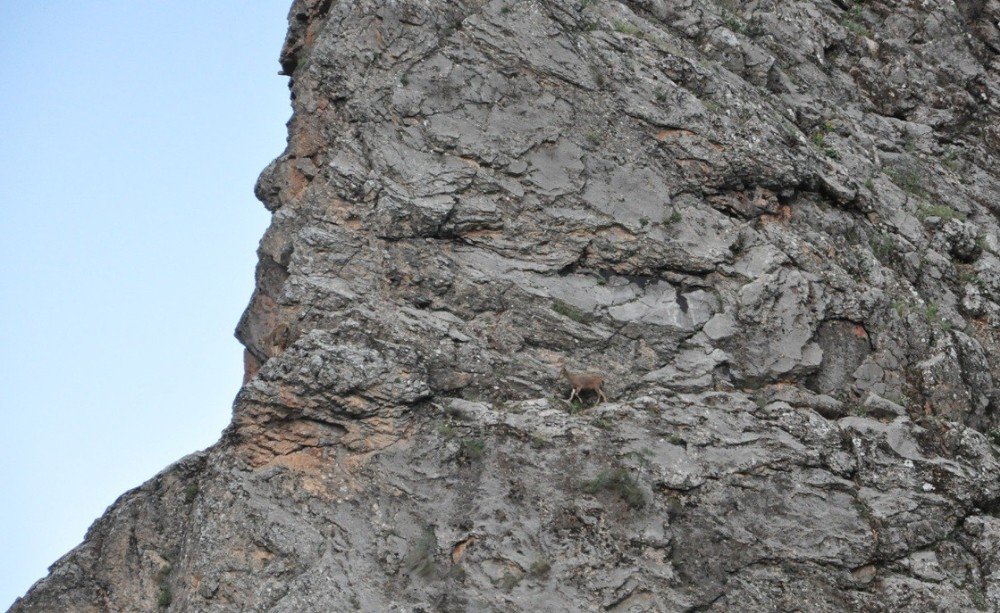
131,134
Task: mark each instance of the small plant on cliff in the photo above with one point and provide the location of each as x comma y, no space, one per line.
164,597
509,581
473,449
540,567
673,218
575,406
942,211
952,162
731,20
863,510
190,492
882,246
819,139
624,27
619,482
603,422
852,22
908,180
967,277
641,456
446,430
900,399
979,600
570,311
419,560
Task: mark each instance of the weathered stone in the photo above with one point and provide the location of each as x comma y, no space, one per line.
771,227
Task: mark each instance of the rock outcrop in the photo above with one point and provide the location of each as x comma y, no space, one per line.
774,227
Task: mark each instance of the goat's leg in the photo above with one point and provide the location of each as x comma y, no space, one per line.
571,394
600,396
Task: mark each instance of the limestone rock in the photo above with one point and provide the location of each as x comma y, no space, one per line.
772,227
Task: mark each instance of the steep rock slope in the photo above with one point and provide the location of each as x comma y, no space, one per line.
773,227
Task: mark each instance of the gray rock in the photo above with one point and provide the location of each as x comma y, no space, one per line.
771,227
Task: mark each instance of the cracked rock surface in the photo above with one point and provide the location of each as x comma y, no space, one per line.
774,227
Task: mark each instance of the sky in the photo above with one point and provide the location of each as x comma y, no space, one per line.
131,134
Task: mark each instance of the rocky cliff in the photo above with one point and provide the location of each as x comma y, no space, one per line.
773,226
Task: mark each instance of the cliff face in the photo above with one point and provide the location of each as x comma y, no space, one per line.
772,226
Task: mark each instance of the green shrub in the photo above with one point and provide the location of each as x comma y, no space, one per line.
619,482
979,599
575,406
883,247
943,211
952,162
473,449
509,581
673,218
968,277
540,567
852,22
604,422
419,560
818,139
863,510
855,27
908,180
570,311
734,24
624,27
164,597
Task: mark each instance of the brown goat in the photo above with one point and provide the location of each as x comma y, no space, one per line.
584,381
